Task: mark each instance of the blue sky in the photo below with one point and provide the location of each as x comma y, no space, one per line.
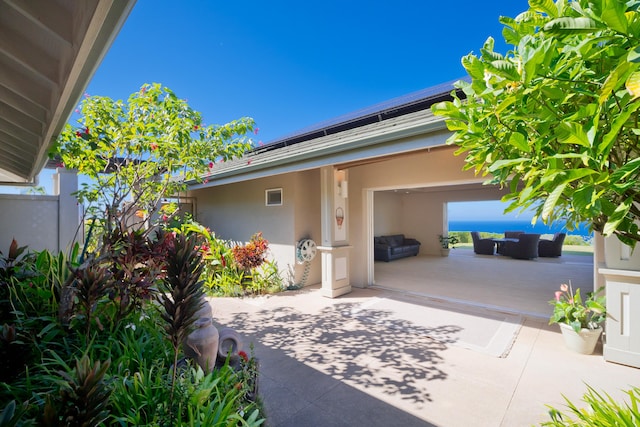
289,65
292,64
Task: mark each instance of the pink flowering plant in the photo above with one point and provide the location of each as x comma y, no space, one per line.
569,308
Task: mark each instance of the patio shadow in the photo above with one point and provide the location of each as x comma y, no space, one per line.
373,353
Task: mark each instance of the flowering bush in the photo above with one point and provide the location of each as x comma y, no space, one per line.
569,308
252,254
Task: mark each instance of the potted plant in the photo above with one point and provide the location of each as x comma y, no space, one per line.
580,321
446,243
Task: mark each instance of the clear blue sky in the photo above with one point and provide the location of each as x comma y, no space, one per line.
293,64
289,65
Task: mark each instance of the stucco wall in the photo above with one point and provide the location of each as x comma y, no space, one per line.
308,220
387,213
236,211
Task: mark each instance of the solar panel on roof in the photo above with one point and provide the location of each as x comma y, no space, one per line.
367,115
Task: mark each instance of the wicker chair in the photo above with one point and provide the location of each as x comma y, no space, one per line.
482,246
551,248
525,248
512,234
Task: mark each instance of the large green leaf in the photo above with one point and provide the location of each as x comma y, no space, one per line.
519,141
633,84
583,198
572,133
544,6
500,164
552,200
611,83
611,137
634,54
474,67
506,69
567,25
617,217
632,168
613,15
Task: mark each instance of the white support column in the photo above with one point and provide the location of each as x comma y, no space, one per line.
335,247
65,183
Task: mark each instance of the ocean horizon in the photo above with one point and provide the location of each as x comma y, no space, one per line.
517,225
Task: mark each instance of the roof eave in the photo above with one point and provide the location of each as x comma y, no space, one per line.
317,158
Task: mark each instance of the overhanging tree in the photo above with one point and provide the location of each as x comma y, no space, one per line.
141,151
556,117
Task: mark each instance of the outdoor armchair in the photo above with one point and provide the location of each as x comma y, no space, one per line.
551,248
526,247
512,234
482,246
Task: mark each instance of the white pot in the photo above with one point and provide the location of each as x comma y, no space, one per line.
444,252
583,342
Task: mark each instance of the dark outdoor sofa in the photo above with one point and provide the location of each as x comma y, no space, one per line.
387,248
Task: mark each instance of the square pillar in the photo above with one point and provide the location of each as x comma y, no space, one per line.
335,247
335,270
622,331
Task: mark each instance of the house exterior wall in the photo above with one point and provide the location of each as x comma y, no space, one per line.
237,211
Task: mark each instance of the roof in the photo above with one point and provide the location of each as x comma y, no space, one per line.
49,50
415,101
382,129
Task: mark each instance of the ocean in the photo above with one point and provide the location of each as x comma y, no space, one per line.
523,225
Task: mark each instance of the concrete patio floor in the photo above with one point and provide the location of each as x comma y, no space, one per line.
492,281
319,366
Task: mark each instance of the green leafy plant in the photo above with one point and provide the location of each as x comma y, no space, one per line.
602,410
569,308
181,293
83,396
555,119
137,152
447,242
38,349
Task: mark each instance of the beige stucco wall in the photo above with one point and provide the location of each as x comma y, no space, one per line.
237,211
387,213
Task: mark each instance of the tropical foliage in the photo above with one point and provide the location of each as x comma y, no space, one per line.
80,348
138,152
232,268
556,117
601,410
569,308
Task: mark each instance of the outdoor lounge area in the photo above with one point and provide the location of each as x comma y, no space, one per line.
504,283
519,245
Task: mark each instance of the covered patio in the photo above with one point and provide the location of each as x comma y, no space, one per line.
510,285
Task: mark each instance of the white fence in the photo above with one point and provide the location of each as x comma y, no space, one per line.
42,222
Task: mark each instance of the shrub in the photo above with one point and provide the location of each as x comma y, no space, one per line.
99,364
602,411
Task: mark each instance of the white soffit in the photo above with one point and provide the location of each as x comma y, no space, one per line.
49,50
